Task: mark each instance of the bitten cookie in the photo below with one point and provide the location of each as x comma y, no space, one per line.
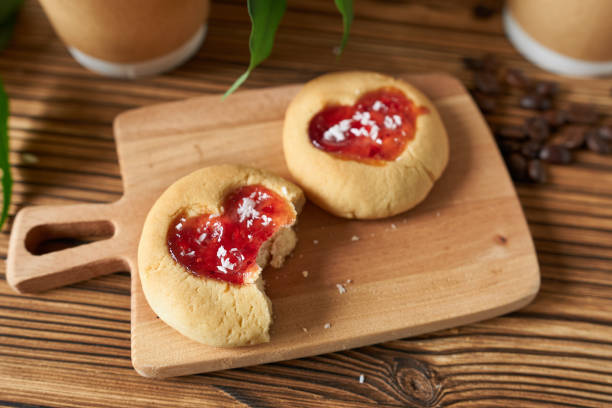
364,145
204,244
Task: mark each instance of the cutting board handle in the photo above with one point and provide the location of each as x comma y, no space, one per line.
30,269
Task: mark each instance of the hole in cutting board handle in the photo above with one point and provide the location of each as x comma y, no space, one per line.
47,238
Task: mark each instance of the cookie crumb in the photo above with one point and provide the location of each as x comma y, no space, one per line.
341,288
393,226
354,238
305,274
315,241
305,330
361,378
327,326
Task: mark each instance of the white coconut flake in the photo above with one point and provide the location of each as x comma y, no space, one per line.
201,238
190,253
378,105
246,209
397,119
266,220
341,288
361,378
179,226
221,252
326,325
389,123
284,190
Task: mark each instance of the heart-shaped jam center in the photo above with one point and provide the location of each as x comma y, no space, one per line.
225,246
376,128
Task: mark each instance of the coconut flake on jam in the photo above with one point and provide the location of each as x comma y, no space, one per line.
376,128
225,246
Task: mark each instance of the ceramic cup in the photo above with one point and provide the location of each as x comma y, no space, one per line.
569,37
129,38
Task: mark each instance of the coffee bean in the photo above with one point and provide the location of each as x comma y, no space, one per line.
517,165
556,154
472,63
516,78
596,143
483,11
513,132
537,171
509,146
486,103
582,113
487,82
490,63
570,137
537,128
529,101
546,88
555,117
531,149
605,132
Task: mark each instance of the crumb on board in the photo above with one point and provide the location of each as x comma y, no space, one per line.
305,330
361,378
315,241
341,288
327,326
348,281
393,226
354,238
305,274
437,213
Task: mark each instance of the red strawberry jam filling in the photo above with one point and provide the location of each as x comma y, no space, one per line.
225,246
376,128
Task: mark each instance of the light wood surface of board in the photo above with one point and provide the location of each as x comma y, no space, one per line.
70,347
463,255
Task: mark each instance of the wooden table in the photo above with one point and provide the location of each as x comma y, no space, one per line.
71,347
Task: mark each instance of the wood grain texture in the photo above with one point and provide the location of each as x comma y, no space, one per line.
485,267
70,347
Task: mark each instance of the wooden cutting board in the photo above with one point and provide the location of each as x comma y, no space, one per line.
463,255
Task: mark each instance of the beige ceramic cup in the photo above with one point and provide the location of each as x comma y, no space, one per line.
571,37
129,38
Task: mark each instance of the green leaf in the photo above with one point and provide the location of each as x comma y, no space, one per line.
345,7
7,180
265,15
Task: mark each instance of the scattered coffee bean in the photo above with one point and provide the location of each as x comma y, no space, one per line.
516,78
513,132
483,10
570,137
537,128
556,154
518,166
605,132
555,117
472,63
508,146
531,149
547,88
487,82
486,103
596,143
537,171
582,113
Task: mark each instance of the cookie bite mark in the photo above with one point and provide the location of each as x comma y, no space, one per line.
374,130
234,246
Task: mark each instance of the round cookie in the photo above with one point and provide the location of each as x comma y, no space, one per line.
208,310
355,188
